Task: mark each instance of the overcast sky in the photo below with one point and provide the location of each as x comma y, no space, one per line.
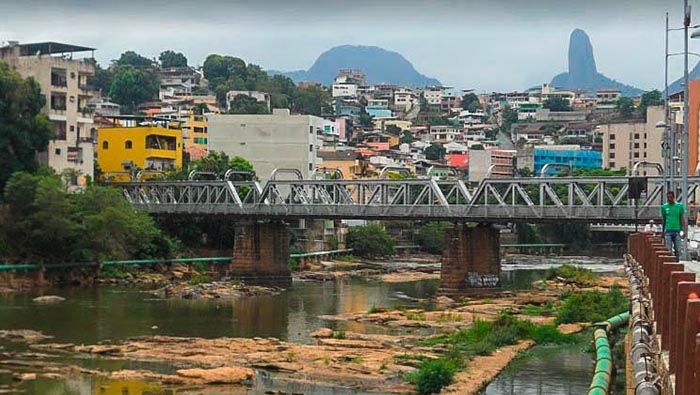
487,45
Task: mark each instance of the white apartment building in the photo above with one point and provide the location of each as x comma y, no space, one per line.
345,90
627,143
62,76
268,141
433,95
178,81
404,99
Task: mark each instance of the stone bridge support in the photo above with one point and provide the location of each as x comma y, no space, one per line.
261,253
471,261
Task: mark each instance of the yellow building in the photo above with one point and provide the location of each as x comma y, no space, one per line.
382,124
139,143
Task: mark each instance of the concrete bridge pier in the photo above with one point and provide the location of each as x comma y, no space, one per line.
471,261
261,253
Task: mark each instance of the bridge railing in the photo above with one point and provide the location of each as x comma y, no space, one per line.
585,199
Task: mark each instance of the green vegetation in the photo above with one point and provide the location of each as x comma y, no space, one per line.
625,106
172,59
431,236
293,264
527,234
556,104
243,104
651,98
46,224
373,310
592,306
545,310
571,273
433,374
572,234
483,338
23,129
470,102
347,258
415,315
339,335
435,152
200,279
510,117
370,241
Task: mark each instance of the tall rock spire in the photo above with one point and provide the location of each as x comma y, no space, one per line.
581,59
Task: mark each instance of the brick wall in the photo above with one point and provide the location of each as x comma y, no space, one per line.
471,260
261,253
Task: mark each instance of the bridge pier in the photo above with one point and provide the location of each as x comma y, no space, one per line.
471,261
261,253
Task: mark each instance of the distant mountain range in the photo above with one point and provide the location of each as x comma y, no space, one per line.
677,85
378,64
582,72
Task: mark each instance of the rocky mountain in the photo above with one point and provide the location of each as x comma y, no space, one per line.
379,65
583,73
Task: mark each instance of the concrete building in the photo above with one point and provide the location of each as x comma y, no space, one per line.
491,163
195,130
404,99
105,108
433,96
178,81
544,115
565,155
63,80
607,97
348,162
139,143
627,143
268,141
261,97
345,90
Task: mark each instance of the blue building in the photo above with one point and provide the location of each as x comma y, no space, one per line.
573,156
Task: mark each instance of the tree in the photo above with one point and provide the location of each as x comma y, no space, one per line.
525,172
370,241
132,86
24,131
406,137
556,103
131,58
651,98
431,236
219,163
243,104
625,106
365,119
101,80
312,100
393,129
470,102
435,152
200,109
172,59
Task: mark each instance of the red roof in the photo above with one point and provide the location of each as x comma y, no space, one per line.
460,160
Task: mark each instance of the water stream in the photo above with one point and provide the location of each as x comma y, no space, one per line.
91,315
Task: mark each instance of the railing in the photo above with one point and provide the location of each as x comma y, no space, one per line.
596,199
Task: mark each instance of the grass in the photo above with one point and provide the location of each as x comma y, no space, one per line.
374,309
434,374
592,306
415,315
114,271
448,316
571,273
339,334
200,279
545,310
293,264
347,258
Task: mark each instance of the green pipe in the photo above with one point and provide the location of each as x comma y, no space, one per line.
600,383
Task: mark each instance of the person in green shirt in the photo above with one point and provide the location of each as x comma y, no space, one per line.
673,216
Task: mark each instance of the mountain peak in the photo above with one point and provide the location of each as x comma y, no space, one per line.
379,65
583,73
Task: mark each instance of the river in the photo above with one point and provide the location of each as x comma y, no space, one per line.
91,315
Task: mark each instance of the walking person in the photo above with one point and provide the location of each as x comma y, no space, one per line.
673,217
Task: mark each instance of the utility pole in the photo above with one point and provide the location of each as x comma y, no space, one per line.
666,138
686,99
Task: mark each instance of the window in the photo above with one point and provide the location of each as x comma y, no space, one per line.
58,151
612,137
311,166
105,145
72,128
636,145
128,144
311,148
611,164
636,154
645,145
612,155
311,131
636,135
612,146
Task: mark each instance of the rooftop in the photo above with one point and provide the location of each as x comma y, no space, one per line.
48,47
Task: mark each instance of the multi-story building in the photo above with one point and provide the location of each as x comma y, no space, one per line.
491,163
345,90
503,162
433,95
349,163
261,97
133,143
607,97
63,80
446,133
269,141
194,129
565,155
404,99
178,81
626,143
350,76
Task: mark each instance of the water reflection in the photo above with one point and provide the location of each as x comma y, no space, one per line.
545,370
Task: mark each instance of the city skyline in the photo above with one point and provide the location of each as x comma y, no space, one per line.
463,44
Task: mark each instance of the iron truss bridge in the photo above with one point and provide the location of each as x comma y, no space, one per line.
591,200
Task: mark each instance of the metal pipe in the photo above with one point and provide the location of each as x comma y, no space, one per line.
667,118
645,163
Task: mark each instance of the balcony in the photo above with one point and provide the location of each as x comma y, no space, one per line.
152,153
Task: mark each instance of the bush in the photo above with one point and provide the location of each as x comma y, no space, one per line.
370,241
431,237
200,279
572,273
432,375
293,264
592,306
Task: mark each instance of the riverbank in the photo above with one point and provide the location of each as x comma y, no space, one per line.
368,348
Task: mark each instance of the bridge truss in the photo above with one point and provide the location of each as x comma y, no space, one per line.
602,199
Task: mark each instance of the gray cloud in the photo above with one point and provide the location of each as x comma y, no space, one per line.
486,45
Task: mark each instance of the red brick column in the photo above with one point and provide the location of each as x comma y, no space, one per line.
261,253
471,260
